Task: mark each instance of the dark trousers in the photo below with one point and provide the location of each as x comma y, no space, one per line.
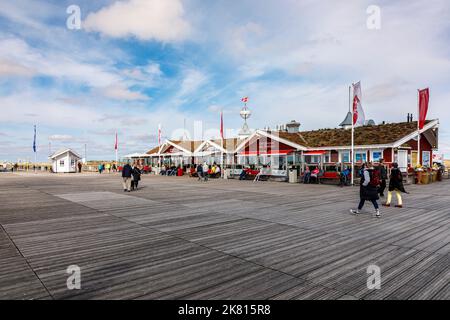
361,204
382,187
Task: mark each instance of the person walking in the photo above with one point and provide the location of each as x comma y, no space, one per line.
136,173
100,167
395,185
200,172
80,166
205,171
370,181
383,175
127,172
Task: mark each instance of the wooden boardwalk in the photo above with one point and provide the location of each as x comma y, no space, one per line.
177,238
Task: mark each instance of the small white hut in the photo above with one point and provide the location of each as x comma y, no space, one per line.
65,161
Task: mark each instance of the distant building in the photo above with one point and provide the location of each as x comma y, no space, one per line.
65,161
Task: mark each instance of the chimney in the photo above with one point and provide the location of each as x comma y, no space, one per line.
293,127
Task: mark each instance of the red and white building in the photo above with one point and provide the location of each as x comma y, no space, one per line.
290,147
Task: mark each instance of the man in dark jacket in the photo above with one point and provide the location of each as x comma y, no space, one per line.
126,175
136,173
200,171
368,189
395,184
383,174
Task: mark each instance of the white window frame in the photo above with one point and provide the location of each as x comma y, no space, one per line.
372,157
311,156
360,152
327,154
341,156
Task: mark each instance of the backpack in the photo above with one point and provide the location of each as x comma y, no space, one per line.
375,178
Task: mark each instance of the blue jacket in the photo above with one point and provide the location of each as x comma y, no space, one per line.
127,171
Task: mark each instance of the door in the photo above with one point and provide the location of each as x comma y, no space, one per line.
403,160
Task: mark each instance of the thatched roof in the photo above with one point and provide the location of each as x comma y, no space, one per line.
366,135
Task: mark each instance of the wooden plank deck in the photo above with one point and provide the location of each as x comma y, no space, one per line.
177,238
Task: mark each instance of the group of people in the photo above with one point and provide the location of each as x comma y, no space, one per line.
131,175
312,175
204,172
170,171
107,168
373,184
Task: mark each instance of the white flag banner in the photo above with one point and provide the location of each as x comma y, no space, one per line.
359,117
159,134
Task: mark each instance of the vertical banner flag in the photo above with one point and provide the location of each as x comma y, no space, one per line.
159,135
221,125
358,113
424,98
34,140
116,144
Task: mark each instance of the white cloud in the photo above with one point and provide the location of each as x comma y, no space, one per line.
161,20
11,68
193,80
61,137
149,75
120,92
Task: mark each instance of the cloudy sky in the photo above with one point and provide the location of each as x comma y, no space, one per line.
136,63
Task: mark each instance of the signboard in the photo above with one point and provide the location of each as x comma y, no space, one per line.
426,161
438,158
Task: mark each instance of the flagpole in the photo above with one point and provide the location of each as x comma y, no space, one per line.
352,155
117,147
418,127
159,150
221,151
35,149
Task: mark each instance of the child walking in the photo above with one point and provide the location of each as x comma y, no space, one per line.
395,185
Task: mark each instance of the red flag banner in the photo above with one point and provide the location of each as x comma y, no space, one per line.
359,117
424,98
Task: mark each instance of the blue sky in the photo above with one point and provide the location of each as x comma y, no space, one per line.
138,63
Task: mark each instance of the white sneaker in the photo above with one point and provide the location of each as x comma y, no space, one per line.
377,213
352,211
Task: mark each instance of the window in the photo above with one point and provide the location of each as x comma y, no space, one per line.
345,156
312,159
327,158
360,156
426,158
61,163
72,163
376,156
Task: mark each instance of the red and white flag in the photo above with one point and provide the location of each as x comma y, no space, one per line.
116,144
359,117
424,98
244,100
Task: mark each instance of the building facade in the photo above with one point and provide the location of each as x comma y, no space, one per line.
290,147
65,161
